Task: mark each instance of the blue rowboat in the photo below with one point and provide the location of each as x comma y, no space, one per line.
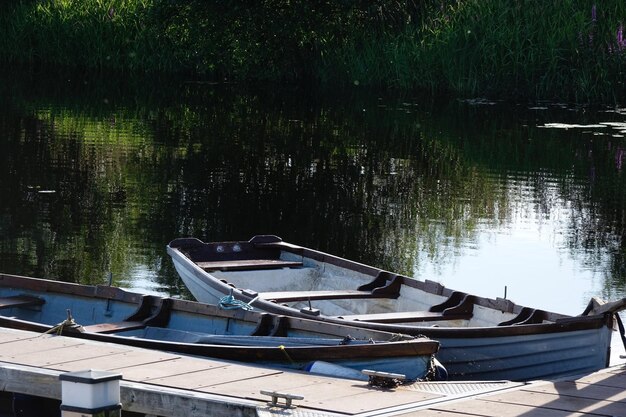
114,315
481,338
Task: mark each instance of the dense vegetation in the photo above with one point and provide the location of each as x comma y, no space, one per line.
568,49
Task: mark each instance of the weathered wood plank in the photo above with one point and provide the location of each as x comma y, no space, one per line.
151,372
124,361
40,344
608,379
434,413
365,399
249,388
565,403
479,407
12,336
590,391
202,378
64,354
322,393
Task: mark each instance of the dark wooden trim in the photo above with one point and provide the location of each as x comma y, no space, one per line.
264,325
526,316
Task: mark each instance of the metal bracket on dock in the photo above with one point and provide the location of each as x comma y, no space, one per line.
288,399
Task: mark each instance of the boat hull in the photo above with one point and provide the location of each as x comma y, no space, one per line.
544,350
203,330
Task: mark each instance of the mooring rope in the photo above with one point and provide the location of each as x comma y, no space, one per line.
228,302
69,322
282,348
620,326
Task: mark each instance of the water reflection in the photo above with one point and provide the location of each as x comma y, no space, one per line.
97,177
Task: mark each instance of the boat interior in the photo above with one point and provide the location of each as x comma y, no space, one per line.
157,318
317,283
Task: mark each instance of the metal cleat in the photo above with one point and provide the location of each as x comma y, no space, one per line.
288,399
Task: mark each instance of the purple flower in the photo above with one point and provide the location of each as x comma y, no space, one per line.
621,42
593,13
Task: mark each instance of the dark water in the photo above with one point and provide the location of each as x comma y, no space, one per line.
98,175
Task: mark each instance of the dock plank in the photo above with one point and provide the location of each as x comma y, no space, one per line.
579,389
561,402
120,359
156,372
367,400
250,388
55,358
41,344
615,379
205,377
323,393
102,363
478,407
13,336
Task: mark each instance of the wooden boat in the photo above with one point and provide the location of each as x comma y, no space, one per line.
114,315
481,338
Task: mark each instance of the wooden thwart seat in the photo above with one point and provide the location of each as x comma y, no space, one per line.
287,296
406,316
458,306
248,264
114,327
20,301
379,288
144,316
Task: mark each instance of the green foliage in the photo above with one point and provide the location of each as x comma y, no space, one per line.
97,34
520,49
527,49
271,39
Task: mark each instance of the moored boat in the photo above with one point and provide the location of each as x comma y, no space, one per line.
110,314
481,338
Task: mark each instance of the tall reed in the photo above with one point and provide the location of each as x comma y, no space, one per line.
570,49
114,34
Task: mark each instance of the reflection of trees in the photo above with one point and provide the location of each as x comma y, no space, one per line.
576,172
375,184
368,187
600,212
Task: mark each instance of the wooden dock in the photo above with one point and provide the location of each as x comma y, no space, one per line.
165,384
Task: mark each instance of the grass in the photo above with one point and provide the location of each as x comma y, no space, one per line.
566,50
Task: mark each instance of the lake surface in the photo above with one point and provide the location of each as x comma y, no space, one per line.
98,175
